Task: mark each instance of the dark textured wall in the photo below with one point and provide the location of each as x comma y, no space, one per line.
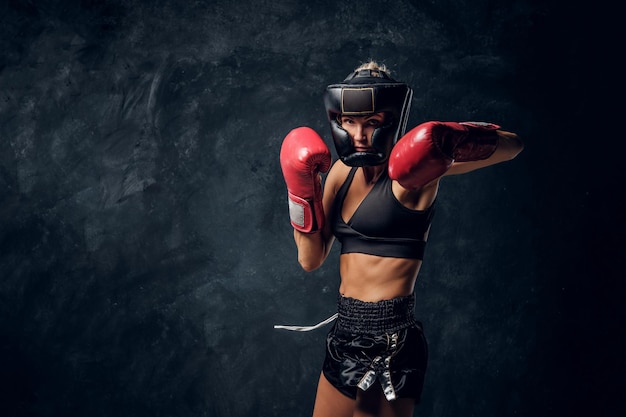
145,248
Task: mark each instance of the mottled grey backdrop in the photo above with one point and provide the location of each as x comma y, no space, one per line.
145,247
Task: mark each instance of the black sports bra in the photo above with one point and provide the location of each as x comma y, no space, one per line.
381,225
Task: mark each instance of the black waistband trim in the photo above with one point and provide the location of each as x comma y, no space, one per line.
387,316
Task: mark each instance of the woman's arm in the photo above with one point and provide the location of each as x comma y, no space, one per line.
509,146
313,248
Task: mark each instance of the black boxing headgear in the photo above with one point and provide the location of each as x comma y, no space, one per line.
363,93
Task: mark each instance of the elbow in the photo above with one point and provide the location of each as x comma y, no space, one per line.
518,146
311,250
512,145
309,265
310,261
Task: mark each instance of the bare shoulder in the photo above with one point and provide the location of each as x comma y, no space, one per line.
336,176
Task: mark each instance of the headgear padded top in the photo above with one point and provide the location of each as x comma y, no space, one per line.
363,93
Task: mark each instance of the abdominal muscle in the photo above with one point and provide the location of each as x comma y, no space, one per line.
374,278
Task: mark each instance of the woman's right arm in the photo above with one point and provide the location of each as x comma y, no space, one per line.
313,248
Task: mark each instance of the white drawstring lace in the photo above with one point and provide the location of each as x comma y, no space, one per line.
307,328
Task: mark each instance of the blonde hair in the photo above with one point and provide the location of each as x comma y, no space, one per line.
373,65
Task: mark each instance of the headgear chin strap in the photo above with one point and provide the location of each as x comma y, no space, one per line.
364,93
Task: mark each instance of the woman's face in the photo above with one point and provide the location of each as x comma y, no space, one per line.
360,129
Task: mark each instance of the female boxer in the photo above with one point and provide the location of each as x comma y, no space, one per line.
378,200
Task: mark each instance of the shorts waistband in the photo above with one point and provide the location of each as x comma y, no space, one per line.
386,316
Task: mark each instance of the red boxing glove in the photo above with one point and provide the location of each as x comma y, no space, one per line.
428,150
303,156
